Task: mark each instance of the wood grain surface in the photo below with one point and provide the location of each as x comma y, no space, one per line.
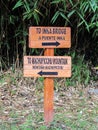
49,37
47,66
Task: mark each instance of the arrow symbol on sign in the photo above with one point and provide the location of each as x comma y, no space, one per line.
41,73
50,43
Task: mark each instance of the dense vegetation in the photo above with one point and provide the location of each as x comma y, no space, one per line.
21,99
17,16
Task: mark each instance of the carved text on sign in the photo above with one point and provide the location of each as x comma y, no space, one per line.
49,37
52,66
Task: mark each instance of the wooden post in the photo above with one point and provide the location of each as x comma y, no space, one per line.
48,38
48,93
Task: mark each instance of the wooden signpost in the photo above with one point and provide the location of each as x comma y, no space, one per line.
48,66
49,37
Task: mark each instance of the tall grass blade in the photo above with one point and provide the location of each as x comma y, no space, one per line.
54,18
17,5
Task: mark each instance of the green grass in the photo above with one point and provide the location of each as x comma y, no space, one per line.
77,111
61,121
78,117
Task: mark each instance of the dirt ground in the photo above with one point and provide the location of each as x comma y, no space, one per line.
20,96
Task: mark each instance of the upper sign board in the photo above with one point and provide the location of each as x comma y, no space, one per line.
49,37
47,66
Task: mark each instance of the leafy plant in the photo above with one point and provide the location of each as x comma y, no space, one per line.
17,16
80,71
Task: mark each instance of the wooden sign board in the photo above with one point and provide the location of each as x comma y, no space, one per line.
47,66
49,37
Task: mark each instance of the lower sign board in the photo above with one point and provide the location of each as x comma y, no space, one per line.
47,66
